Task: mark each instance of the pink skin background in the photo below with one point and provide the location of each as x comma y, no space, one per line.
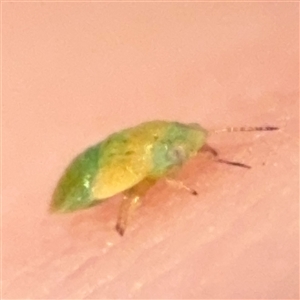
75,72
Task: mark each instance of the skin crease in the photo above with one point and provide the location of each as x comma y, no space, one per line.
74,73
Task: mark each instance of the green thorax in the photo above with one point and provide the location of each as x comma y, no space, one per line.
177,144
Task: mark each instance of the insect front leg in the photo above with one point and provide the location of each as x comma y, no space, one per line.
130,202
180,185
171,179
208,149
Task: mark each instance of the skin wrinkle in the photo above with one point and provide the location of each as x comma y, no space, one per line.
121,274
167,266
150,250
122,271
80,269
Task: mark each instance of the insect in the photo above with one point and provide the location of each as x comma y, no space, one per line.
130,162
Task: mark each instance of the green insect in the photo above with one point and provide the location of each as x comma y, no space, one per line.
130,162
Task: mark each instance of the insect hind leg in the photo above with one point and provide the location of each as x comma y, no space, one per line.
128,206
130,202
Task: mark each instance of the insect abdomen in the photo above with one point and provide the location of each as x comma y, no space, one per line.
74,189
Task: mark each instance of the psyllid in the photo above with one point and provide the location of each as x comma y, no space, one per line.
130,162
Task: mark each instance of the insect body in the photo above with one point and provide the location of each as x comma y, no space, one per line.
129,161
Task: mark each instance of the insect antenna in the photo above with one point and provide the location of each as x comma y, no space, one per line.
241,129
246,128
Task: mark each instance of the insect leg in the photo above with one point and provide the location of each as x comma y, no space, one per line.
130,202
170,178
128,206
181,185
209,149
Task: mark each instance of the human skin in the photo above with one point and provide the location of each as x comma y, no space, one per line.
73,73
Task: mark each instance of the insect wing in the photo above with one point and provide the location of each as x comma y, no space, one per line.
124,162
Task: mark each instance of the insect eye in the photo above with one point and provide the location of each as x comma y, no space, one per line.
177,154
